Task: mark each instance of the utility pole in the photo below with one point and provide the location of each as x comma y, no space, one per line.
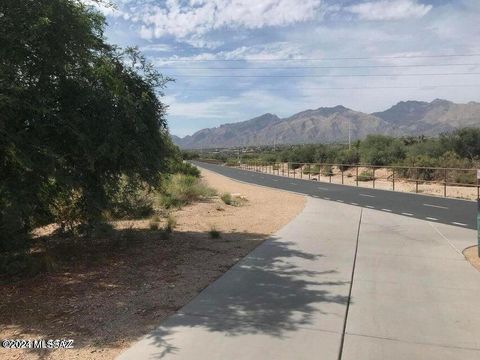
275,141
349,134
478,213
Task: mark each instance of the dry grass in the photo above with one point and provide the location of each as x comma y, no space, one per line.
471,254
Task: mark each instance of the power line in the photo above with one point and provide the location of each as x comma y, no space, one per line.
338,88
322,76
328,58
315,67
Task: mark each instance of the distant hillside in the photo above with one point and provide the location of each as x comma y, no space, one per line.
331,124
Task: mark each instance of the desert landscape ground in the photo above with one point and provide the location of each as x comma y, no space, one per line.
105,303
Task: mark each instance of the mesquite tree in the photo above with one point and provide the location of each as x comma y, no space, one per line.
76,115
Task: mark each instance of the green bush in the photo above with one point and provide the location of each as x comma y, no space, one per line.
381,150
347,157
327,170
232,162
131,199
179,190
171,223
185,168
227,198
365,176
312,169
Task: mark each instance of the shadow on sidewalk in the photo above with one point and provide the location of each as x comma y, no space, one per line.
265,293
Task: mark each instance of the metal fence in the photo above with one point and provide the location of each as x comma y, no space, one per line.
447,182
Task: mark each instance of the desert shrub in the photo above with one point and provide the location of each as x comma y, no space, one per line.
229,199
268,158
153,225
465,142
421,168
171,223
226,198
327,170
232,162
463,177
312,169
185,168
381,150
347,157
179,190
190,155
131,199
365,176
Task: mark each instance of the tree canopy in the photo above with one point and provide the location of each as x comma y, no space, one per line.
76,115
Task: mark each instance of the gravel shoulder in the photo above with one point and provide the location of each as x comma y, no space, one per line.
471,254
115,292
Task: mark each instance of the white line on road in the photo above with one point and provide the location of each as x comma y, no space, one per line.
458,223
322,188
436,206
367,195
293,183
387,210
275,179
340,201
352,203
408,214
326,198
431,218
370,207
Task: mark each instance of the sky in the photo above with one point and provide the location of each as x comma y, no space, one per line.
233,60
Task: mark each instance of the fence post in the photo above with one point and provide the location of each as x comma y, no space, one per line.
294,171
393,178
445,183
309,170
301,171
416,180
373,177
288,169
342,175
356,174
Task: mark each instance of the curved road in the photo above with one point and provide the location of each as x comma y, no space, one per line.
456,212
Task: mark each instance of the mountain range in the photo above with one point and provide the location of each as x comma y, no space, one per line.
334,124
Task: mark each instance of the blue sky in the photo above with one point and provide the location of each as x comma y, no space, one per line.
324,42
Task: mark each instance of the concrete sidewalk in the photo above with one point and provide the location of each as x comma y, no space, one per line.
413,295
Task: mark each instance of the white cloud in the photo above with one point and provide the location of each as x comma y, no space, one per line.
389,10
156,48
197,17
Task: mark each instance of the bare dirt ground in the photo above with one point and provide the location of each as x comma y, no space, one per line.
383,180
471,254
112,292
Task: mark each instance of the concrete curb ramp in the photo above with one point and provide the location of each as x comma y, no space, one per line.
413,296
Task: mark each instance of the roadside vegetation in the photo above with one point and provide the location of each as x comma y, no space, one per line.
83,136
460,148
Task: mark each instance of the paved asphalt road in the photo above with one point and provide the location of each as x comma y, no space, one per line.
462,213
